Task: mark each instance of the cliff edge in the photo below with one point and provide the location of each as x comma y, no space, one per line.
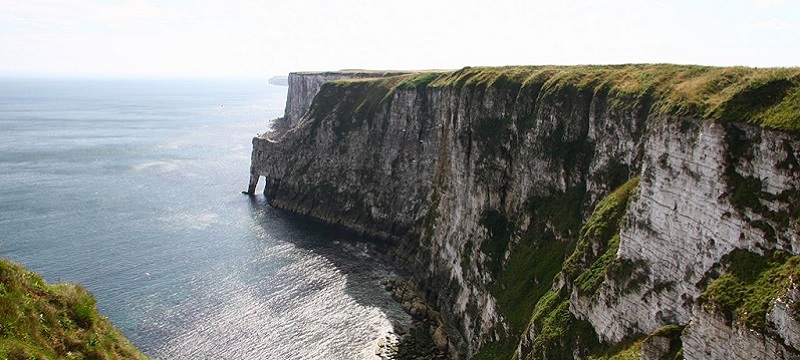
41,321
303,86
567,212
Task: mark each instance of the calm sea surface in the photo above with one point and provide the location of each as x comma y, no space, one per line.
132,188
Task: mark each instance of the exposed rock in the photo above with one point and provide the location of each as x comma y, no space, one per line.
399,328
683,223
710,335
784,318
440,338
664,344
467,171
427,337
303,86
656,348
407,306
425,146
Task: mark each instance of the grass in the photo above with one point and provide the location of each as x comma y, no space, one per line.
626,350
585,268
557,330
767,97
41,321
537,257
418,80
523,287
752,281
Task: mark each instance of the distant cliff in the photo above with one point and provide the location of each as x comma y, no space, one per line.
303,86
567,212
279,80
41,321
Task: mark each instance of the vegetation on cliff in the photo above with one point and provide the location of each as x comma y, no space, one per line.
767,97
527,275
595,252
746,291
41,321
533,250
558,332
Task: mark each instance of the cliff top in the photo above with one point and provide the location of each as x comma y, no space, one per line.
41,321
768,97
358,72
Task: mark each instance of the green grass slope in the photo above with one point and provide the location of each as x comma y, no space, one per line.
41,321
558,331
746,291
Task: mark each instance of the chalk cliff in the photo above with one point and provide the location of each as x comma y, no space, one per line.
303,86
563,212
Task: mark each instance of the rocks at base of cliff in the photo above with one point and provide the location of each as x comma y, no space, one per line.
426,338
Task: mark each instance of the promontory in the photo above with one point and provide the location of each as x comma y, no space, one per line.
556,212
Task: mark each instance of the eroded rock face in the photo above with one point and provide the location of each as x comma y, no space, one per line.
302,89
303,86
684,221
783,319
657,347
710,335
453,174
424,168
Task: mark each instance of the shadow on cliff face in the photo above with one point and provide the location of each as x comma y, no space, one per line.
361,262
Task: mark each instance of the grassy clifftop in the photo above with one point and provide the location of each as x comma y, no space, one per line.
41,321
768,97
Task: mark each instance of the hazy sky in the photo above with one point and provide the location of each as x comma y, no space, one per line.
262,38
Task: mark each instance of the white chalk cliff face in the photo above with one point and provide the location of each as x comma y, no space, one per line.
468,179
683,223
304,86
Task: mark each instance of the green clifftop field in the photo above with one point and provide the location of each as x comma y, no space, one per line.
767,97
41,321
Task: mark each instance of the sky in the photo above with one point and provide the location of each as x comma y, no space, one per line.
237,38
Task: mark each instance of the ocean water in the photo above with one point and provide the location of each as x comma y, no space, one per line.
132,188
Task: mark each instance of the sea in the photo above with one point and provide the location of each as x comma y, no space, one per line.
132,188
